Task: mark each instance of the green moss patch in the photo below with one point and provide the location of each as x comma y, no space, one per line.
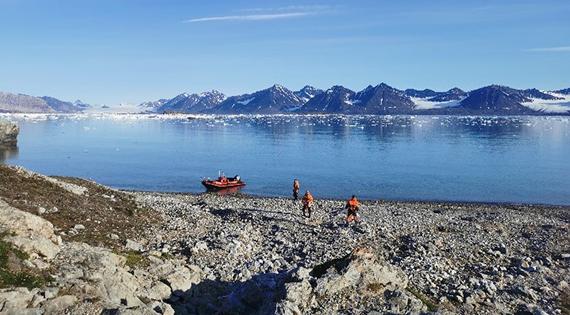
13,273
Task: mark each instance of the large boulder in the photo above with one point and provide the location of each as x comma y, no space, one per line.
8,133
100,272
30,233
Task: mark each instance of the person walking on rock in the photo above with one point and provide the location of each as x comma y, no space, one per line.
352,206
296,187
307,203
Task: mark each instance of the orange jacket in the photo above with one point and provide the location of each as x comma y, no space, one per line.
353,203
296,185
308,198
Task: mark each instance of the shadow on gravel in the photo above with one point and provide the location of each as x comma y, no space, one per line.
258,295
247,215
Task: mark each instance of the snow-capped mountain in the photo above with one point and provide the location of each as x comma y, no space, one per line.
563,91
381,99
307,93
337,99
273,100
192,103
495,99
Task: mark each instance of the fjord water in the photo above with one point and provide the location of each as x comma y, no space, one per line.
490,159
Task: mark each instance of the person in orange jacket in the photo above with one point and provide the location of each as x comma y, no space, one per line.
296,187
307,203
352,206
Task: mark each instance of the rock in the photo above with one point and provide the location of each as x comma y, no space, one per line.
362,271
113,236
156,291
59,304
41,210
401,302
200,246
30,233
162,308
13,301
8,133
522,290
182,279
50,293
134,246
79,227
100,273
298,298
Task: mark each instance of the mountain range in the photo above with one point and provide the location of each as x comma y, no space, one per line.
381,99
21,103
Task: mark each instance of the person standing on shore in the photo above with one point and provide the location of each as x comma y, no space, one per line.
307,203
352,206
296,187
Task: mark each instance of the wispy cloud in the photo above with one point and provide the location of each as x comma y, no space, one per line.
265,14
249,17
550,49
304,8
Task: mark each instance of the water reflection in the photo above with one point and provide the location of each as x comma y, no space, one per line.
8,152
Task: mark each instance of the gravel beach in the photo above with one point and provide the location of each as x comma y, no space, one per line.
71,246
471,258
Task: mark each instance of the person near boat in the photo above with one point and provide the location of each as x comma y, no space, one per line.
352,206
296,187
307,203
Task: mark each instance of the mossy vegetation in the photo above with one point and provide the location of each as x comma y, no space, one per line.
12,271
135,259
101,210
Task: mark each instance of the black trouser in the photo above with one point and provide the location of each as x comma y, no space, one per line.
295,194
307,208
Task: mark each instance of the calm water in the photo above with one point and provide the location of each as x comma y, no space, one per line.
519,159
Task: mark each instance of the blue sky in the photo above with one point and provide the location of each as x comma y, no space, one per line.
112,51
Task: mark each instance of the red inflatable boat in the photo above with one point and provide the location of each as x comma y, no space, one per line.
223,182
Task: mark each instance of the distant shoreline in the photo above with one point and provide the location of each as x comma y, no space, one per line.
197,115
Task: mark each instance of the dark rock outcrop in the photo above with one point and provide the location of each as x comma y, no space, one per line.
337,99
8,133
495,99
274,100
382,99
307,93
425,93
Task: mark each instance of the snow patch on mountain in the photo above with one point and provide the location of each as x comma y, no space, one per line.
247,101
560,105
426,103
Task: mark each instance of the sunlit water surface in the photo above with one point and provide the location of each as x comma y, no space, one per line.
514,159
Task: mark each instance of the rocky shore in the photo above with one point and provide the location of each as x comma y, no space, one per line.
8,133
73,246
